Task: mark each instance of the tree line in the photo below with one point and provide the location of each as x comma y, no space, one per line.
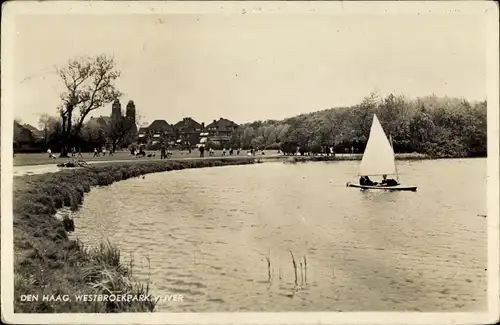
437,126
432,125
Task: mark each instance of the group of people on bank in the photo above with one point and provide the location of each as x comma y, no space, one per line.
211,152
366,181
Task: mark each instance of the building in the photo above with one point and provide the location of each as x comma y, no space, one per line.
158,131
143,135
220,131
23,137
99,122
37,134
130,114
187,132
104,122
116,110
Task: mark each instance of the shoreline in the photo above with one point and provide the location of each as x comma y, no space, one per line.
22,170
47,261
274,157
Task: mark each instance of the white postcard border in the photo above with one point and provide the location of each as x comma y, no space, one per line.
11,9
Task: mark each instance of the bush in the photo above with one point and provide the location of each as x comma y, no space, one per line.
104,178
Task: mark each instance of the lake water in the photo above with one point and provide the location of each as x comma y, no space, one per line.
208,234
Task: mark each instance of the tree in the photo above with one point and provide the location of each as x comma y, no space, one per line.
119,130
421,129
89,84
94,135
43,124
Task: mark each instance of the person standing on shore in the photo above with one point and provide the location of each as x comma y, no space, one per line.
202,151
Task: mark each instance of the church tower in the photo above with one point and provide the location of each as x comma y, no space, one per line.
130,114
116,111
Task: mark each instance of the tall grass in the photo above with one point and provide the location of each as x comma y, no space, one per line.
294,267
298,267
47,262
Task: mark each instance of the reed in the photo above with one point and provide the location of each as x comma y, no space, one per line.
301,274
305,269
268,268
294,267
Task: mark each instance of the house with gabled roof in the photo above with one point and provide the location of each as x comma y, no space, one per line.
23,136
37,134
188,132
161,131
158,131
220,131
101,121
143,135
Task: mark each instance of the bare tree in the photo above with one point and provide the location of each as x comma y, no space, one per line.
43,124
89,84
120,130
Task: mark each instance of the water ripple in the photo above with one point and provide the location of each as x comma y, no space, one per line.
208,234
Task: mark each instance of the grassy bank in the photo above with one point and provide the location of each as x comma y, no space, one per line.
29,159
46,262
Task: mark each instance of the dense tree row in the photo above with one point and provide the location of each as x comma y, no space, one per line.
113,134
438,126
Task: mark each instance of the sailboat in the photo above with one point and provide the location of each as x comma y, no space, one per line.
379,159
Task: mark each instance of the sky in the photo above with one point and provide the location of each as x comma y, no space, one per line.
253,66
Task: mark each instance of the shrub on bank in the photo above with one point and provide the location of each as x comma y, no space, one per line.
47,262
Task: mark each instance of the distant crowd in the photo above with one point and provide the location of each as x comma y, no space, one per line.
211,152
166,153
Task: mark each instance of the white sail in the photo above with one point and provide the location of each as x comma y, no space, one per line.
378,158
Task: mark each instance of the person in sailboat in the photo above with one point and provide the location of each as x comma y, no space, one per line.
388,181
366,181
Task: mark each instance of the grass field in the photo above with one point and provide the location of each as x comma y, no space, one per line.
27,159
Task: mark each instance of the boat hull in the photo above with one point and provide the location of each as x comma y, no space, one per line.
384,188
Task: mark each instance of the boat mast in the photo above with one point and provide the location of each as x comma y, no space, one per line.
395,164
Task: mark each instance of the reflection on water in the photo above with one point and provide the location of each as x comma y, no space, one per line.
209,233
